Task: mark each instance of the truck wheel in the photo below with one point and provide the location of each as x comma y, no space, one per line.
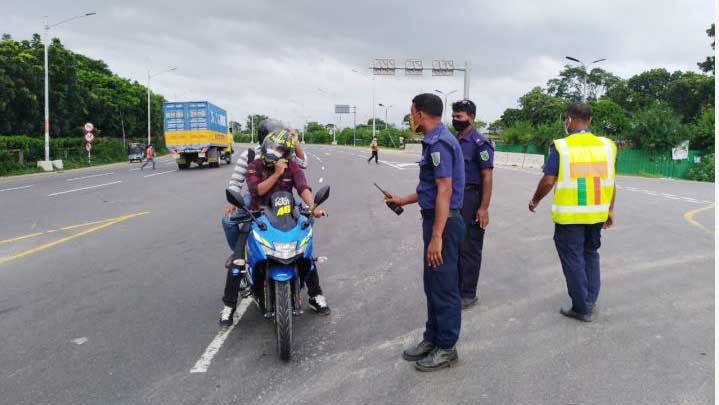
214,164
283,319
183,166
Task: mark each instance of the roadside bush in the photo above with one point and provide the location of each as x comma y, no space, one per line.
704,171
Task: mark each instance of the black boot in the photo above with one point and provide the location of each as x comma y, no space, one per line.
437,359
418,352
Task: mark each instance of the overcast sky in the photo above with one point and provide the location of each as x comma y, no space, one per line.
272,57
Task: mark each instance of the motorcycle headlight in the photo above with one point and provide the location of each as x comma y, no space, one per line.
285,250
262,240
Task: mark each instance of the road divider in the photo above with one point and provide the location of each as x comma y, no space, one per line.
84,188
90,176
157,174
16,188
102,224
205,360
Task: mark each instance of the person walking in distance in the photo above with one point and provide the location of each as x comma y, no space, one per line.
374,148
582,167
149,157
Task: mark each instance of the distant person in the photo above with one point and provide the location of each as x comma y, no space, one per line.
478,164
582,168
439,193
149,157
373,147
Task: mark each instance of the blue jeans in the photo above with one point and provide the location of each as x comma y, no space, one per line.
148,161
578,247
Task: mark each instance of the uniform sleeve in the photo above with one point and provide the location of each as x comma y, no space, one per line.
551,167
485,156
301,162
440,155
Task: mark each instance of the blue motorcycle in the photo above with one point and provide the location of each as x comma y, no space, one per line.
278,256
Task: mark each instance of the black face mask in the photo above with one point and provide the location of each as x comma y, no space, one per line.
460,125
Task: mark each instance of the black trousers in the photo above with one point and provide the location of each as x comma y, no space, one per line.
470,256
578,248
374,156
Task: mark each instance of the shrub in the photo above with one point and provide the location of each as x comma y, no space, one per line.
704,171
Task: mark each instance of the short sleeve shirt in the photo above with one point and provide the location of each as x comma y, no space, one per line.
551,167
478,154
441,157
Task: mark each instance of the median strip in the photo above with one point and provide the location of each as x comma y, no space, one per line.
84,188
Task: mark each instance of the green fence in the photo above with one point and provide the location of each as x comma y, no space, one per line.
630,161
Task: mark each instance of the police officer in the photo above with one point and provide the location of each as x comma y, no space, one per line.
582,168
478,154
439,194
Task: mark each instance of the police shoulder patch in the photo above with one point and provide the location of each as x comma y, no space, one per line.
484,155
435,158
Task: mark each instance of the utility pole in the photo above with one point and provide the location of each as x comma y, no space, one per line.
150,76
586,74
47,166
354,127
444,110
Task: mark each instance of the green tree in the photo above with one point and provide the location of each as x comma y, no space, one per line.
538,107
708,64
702,134
657,127
379,124
520,133
689,93
608,118
253,120
574,81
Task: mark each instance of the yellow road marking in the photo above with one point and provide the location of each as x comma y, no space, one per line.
42,247
689,217
66,228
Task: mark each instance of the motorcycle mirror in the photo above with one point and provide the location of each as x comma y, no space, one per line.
234,198
322,195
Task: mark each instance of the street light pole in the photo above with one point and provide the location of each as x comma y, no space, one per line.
586,74
386,113
46,123
150,76
445,100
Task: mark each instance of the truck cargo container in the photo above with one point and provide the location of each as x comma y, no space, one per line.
196,131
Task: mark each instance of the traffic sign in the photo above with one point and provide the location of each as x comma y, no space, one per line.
88,146
89,137
89,127
342,109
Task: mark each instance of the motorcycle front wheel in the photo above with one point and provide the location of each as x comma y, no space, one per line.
283,318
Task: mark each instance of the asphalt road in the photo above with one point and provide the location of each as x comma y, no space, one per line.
110,290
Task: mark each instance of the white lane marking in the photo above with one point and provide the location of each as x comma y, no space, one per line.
205,360
323,168
90,176
157,174
84,188
321,180
132,170
328,154
16,188
79,341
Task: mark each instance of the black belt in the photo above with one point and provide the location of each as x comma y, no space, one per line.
429,213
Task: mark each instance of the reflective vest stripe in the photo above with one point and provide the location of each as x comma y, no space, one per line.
580,209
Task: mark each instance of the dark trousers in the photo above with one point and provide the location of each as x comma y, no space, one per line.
374,156
470,255
441,285
236,234
578,247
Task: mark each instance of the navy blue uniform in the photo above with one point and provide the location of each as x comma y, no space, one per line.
442,157
478,154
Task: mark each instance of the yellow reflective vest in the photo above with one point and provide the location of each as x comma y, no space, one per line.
585,185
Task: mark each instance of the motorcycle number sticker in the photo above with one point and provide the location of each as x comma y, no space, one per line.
283,210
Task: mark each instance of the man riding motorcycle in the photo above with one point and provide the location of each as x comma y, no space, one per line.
278,153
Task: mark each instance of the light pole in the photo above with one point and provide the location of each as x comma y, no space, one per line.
47,84
445,100
150,76
373,104
386,113
586,73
